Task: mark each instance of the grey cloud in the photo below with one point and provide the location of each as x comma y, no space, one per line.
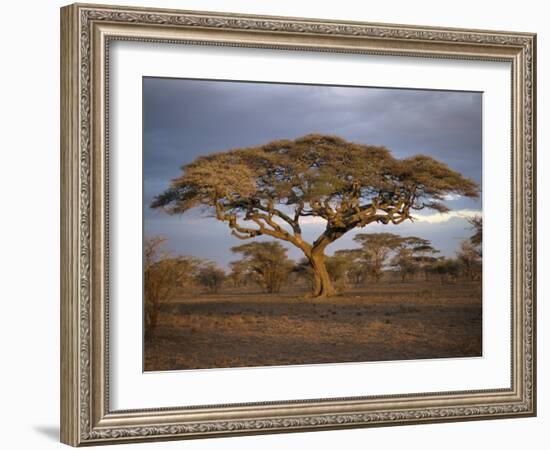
185,118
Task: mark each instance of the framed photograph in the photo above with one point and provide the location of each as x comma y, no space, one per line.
276,224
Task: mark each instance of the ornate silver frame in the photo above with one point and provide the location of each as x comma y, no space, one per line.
86,31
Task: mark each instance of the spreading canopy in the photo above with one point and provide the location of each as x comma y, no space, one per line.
345,183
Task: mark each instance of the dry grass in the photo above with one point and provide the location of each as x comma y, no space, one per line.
381,322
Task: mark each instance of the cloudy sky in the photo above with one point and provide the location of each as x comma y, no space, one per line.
183,119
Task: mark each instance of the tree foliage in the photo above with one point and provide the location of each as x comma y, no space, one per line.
470,252
239,273
413,255
477,224
381,251
448,269
469,259
374,251
338,267
211,277
266,263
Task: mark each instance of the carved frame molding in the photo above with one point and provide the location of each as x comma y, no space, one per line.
86,32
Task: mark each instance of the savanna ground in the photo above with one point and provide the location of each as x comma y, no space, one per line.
379,322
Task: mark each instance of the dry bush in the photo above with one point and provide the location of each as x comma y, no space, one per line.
266,263
211,277
163,274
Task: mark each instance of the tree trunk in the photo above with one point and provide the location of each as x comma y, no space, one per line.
322,284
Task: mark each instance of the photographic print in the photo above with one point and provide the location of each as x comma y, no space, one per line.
290,224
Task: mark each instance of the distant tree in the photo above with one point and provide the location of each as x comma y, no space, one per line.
338,267
470,260
469,255
189,268
266,262
477,224
426,263
404,262
238,274
413,255
451,268
374,251
357,273
268,189
447,269
211,277
356,266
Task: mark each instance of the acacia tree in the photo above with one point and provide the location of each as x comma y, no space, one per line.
268,189
211,276
413,254
477,224
448,269
357,267
357,273
470,253
470,260
375,249
238,273
266,263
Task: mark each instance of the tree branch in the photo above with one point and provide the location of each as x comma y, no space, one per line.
266,225
251,205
